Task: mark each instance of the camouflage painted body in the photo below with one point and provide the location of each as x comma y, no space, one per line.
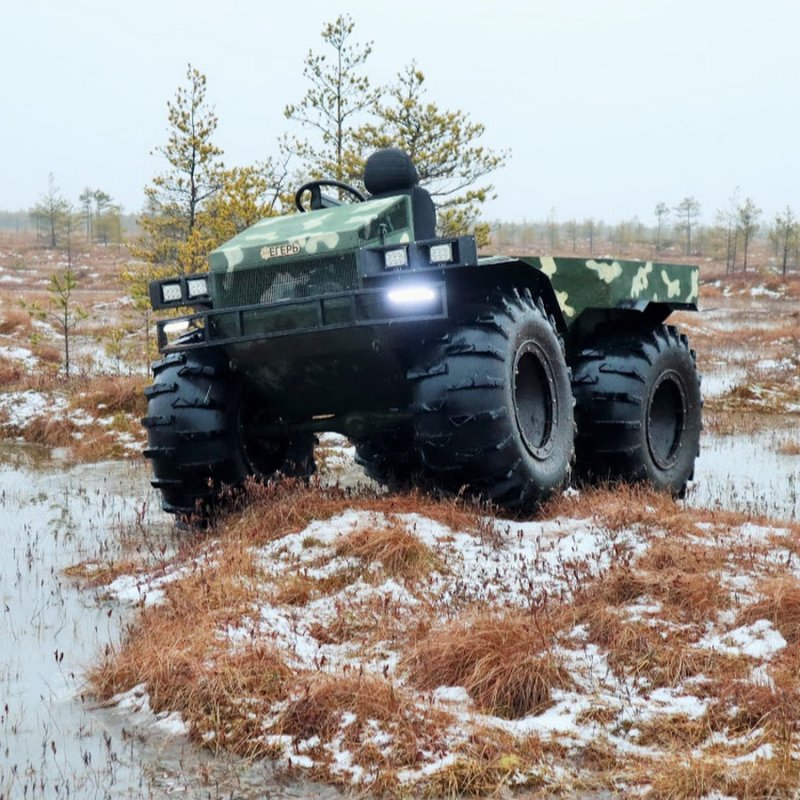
385,221
323,272
612,283
286,251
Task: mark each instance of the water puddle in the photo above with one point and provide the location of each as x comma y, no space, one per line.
55,742
747,473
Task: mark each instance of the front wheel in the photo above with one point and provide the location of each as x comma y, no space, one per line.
203,434
638,409
493,405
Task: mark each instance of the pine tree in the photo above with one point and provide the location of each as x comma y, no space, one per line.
338,95
687,212
175,198
48,213
444,146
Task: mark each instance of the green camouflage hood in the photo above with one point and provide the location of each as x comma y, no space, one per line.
339,229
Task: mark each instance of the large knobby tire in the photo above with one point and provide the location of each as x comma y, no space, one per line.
200,431
638,409
494,408
390,458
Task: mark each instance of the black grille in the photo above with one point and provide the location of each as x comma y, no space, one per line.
297,279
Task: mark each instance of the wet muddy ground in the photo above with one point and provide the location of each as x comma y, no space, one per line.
55,742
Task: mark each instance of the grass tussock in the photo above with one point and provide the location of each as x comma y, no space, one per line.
673,731
353,708
294,590
50,431
682,778
324,698
94,574
11,372
659,655
683,578
399,552
780,604
790,448
504,662
621,506
276,509
188,667
109,394
15,322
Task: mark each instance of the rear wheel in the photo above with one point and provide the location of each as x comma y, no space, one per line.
493,405
638,409
203,433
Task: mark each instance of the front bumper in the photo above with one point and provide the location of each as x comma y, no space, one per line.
371,307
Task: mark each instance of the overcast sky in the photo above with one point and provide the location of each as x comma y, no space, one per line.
607,106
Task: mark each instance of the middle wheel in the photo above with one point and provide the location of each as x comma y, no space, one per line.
494,406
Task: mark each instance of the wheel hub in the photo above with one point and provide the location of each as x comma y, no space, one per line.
666,419
535,403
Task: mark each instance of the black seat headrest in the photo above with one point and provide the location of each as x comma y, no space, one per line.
389,170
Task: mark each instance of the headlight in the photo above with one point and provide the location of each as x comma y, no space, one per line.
196,287
392,259
171,292
441,253
176,328
412,295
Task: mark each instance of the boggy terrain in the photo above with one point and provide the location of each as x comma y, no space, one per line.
618,641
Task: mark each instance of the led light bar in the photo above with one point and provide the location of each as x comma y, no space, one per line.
412,295
177,327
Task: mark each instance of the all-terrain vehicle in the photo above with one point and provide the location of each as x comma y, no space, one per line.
495,376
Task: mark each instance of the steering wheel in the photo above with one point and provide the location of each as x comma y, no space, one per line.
315,187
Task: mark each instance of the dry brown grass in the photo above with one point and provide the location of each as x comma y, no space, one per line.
108,394
276,509
679,777
11,372
294,590
50,431
503,660
175,650
780,604
659,654
682,778
399,552
49,356
94,573
673,731
325,697
791,448
320,700
15,322
621,506
487,763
